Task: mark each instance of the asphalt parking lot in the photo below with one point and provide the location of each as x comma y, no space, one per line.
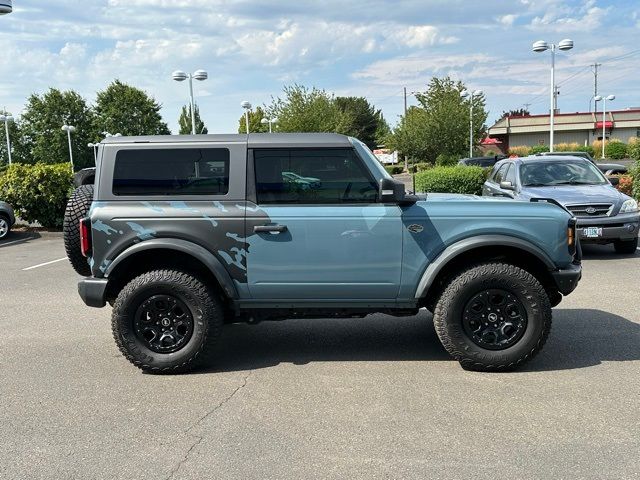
367,398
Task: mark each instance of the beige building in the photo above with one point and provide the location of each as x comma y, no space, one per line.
580,127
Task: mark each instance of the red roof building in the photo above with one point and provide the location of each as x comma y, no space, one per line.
580,127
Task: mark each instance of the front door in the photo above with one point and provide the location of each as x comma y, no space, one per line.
317,232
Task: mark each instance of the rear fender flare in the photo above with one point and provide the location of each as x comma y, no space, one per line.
196,251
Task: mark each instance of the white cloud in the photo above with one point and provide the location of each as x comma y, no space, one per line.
507,20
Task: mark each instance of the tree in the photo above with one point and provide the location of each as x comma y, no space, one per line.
520,112
383,130
357,118
185,121
441,122
121,108
410,137
255,122
13,137
40,137
304,110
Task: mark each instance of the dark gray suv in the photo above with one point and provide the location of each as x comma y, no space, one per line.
604,214
7,219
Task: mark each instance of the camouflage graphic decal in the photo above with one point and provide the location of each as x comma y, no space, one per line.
217,226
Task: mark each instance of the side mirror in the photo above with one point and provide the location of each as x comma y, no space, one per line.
392,191
507,186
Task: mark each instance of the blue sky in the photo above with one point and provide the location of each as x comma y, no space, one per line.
369,48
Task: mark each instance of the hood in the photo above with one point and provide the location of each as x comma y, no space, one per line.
571,194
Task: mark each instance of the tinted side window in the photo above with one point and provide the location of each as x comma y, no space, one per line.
312,176
173,171
499,175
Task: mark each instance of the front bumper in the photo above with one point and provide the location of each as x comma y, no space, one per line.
92,291
567,278
619,227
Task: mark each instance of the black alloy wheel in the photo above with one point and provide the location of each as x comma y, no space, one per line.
163,323
494,319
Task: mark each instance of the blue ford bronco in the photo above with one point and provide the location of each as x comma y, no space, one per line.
182,234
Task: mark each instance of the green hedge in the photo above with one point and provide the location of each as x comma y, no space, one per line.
446,160
39,192
615,149
458,179
394,169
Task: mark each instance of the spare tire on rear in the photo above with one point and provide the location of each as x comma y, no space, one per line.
77,209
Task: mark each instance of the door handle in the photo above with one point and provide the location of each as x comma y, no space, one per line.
269,228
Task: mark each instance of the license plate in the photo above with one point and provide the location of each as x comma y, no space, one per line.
592,232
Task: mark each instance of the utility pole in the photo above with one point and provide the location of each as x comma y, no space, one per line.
595,85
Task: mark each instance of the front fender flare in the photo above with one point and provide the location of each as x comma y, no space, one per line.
452,251
184,246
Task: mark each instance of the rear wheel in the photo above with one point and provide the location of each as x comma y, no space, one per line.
493,317
77,208
5,226
626,246
166,321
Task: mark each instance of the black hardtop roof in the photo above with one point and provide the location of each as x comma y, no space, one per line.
254,140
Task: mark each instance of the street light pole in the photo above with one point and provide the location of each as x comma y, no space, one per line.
270,121
465,94
95,151
604,99
179,76
541,46
247,106
7,119
69,129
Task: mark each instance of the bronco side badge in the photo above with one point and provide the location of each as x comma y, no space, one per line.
415,228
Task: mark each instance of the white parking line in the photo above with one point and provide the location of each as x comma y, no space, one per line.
43,264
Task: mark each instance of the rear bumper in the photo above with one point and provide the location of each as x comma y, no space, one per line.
567,278
619,227
92,291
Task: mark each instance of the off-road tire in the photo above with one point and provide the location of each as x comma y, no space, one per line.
77,208
204,306
8,227
628,247
448,316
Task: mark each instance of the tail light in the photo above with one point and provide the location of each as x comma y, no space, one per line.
85,237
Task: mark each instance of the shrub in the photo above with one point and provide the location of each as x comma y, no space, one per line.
447,160
538,149
633,148
39,192
566,147
520,151
458,179
586,148
635,174
625,184
615,149
597,148
394,169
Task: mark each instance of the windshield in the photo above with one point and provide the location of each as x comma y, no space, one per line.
370,159
562,172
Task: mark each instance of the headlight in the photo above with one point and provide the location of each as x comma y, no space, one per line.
629,206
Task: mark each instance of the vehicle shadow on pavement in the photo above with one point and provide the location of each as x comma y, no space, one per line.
301,341
579,338
584,338
605,252
17,238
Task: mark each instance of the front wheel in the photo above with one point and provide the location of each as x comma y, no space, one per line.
493,317
626,246
166,321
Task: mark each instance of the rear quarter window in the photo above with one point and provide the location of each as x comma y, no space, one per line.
171,171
